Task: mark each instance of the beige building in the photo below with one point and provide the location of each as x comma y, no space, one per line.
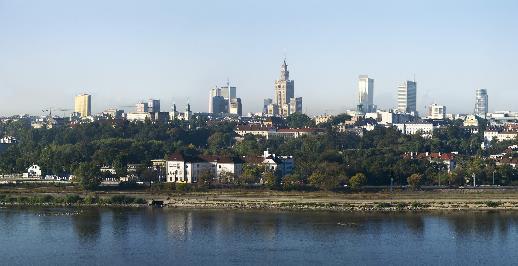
83,105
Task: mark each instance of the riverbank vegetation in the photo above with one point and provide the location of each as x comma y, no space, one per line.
327,161
69,199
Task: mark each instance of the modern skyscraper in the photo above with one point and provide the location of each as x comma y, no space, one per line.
224,101
153,106
266,102
406,97
141,107
235,107
83,104
481,102
366,94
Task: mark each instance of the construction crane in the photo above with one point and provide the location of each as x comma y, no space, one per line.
50,109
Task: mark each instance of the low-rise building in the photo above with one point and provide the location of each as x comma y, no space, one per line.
424,129
187,169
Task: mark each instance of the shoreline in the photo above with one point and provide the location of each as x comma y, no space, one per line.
272,200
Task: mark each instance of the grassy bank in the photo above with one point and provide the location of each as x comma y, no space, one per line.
451,200
70,200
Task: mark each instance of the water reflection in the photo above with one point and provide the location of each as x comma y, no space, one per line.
87,224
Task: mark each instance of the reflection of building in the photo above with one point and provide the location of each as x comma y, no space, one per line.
83,105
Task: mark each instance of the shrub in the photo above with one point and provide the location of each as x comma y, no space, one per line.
122,199
493,204
72,198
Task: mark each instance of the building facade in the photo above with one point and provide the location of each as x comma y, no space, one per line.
284,101
436,111
481,103
406,97
366,94
83,105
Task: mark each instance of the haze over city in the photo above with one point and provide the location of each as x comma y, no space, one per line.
121,52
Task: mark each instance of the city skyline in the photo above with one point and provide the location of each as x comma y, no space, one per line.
53,51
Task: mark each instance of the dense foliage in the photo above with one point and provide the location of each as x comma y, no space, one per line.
324,161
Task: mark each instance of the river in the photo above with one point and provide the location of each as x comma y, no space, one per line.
120,236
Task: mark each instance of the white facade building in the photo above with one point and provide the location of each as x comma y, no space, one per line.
424,129
406,97
436,111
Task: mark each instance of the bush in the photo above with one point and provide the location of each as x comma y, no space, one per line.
140,201
493,204
47,199
90,200
182,187
122,199
358,180
72,198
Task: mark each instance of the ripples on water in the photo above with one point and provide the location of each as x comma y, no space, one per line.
90,236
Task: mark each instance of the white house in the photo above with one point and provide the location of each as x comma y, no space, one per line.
187,169
33,171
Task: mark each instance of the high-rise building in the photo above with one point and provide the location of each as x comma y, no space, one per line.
83,104
228,91
406,97
141,107
266,102
235,107
284,90
295,105
366,94
481,102
224,101
153,106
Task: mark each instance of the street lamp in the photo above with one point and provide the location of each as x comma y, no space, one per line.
494,177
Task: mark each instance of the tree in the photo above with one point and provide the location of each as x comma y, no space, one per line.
299,120
414,181
251,174
271,179
328,176
358,180
89,176
205,179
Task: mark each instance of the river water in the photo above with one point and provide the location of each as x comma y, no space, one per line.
118,236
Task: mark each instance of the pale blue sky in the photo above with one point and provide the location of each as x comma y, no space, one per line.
125,51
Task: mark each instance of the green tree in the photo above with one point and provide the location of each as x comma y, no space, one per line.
299,120
358,180
415,181
89,176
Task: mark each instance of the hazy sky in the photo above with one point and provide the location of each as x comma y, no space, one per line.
124,51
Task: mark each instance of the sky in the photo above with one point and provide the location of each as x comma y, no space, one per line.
124,51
